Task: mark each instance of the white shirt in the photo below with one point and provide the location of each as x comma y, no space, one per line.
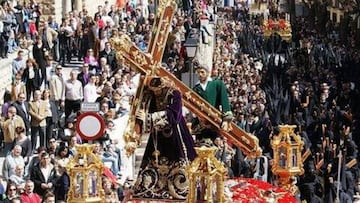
73,90
1,27
18,86
46,171
102,43
31,73
48,72
48,106
204,85
90,94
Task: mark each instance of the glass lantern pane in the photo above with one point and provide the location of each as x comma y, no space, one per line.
93,183
294,161
79,185
282,157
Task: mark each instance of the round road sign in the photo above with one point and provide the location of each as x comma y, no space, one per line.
90,126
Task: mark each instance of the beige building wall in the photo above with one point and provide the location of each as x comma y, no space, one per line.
335,14
58,8
92,5
336,11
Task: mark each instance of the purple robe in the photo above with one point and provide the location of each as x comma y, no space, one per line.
164,179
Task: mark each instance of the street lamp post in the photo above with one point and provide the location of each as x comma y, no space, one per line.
191,45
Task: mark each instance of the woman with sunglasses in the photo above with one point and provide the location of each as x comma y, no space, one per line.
91,59
11,192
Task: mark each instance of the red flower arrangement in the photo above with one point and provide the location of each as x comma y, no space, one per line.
250,190
275,25
246,190
282,24
270,25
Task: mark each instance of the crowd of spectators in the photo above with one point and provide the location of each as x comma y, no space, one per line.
19,24
310,83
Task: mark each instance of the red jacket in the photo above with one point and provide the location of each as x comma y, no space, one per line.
32,28
30,198
109,175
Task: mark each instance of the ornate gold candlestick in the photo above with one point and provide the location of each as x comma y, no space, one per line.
209,174
85,171
287,163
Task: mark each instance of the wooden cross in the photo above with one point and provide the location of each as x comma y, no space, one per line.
150,62
161,30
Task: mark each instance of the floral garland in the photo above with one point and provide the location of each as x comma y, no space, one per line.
275,25
246,190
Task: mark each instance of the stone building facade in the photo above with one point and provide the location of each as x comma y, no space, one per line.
58,8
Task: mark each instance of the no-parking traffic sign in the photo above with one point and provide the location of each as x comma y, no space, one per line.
90,126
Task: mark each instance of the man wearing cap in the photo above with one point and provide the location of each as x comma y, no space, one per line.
215,93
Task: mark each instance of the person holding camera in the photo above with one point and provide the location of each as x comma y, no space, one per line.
8,126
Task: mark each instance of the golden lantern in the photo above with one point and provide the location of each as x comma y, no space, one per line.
207,174
85,171
287,162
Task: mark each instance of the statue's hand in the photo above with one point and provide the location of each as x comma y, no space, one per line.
226,126
140,114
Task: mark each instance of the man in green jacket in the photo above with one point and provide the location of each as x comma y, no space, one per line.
214,91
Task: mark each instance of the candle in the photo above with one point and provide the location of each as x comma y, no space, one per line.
327,142
323,144
317,158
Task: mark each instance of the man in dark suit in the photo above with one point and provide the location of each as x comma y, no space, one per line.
110,56
98,13
22,109
42,182
84,75
188,24
52,121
